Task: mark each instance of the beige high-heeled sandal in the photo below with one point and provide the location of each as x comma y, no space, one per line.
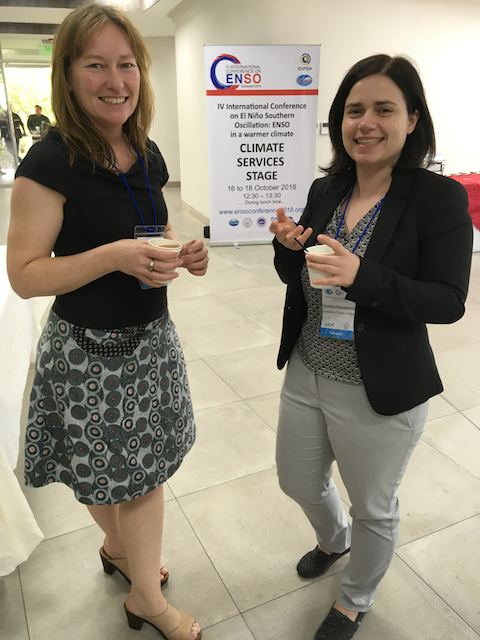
110,565
172,624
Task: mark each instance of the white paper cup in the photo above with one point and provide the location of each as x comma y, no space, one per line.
315,273
165,244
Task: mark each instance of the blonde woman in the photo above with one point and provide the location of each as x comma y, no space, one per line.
110,412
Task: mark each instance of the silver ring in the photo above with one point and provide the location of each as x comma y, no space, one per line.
150,266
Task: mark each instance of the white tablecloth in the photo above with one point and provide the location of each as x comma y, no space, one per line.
19,532
19,333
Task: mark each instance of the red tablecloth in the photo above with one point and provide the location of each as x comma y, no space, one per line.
471,182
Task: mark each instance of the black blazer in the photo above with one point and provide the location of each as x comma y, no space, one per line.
415,271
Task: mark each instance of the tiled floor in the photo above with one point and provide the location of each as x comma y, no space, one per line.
232,539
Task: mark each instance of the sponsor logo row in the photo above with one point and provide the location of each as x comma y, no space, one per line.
248,222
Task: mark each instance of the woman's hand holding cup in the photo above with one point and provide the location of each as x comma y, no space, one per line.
165,258
288,233
341,266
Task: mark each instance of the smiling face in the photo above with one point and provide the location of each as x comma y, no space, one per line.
105,80
376,122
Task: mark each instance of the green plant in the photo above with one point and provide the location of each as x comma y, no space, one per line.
28,87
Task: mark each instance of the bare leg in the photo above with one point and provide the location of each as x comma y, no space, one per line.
141,524
352,615
108,519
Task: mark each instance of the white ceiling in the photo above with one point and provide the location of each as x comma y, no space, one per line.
31,49
153,22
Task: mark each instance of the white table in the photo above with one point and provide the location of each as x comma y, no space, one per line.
19,333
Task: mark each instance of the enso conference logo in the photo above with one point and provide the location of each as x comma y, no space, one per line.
232,76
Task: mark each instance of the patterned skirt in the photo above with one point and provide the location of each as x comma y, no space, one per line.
110,411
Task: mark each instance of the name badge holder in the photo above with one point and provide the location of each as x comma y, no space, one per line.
143,231
338,314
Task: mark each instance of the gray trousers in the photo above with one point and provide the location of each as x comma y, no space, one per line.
322,420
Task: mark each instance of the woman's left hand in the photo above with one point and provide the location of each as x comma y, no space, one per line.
343,265
195,257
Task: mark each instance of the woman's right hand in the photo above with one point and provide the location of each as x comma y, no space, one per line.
134,258
288,233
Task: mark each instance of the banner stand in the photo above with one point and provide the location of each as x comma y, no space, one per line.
262,119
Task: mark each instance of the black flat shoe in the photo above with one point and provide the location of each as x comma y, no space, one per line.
315,563
336,626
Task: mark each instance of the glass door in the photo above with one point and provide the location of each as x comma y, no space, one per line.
24,96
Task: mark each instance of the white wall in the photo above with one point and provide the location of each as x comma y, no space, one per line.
164,130
442,36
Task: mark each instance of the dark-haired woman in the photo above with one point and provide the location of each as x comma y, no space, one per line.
360,366
110,412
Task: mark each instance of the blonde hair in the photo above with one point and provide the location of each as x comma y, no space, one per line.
73,123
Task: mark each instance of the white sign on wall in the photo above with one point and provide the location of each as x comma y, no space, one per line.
262,114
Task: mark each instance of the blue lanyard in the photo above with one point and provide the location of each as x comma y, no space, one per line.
369,222
130,191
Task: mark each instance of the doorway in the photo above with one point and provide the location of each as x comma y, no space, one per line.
24,86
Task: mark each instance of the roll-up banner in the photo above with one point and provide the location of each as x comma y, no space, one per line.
262,116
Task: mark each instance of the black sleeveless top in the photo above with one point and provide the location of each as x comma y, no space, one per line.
99,210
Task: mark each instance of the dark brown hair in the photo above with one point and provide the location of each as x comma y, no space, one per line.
419,144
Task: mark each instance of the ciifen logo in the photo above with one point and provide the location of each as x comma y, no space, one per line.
305,58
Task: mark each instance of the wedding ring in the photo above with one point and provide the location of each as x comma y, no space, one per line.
150,267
